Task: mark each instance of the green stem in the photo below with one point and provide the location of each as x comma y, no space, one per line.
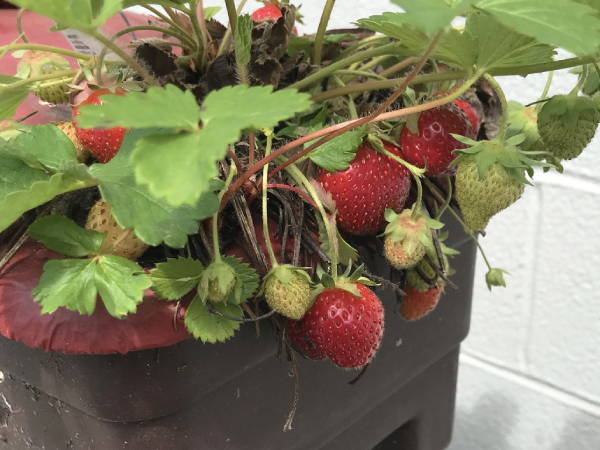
356,88
215,217
265,216
301,179
362,43
374,62
359,73
343,63
502,126
447,201
581,81
546,88
449,76
131,62
51,76
227,38
232,13
45,48
20,26
199,30
168,20
320,36
416,174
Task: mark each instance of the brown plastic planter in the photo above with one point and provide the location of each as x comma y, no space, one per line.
237,395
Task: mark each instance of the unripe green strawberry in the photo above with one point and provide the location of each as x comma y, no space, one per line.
217,281
481,197
407,237
55,91
118,241
35,64
567,124
287,291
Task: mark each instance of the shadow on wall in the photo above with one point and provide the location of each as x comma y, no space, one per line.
579,432
487,425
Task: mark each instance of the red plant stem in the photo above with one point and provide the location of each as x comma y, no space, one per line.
301,193
236,160
331,132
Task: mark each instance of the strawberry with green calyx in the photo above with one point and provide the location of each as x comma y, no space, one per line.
416,303
407,237
286,288
490,176
567,124
35,64
346,321
218,280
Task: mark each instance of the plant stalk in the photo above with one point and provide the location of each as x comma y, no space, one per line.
320,36
265,216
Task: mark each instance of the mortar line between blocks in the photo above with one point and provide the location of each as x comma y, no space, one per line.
535,248
532,383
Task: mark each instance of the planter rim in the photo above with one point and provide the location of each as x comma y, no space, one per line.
156,323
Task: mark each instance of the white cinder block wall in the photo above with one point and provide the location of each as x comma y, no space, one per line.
530,369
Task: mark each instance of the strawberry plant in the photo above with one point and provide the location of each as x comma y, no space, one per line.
228,166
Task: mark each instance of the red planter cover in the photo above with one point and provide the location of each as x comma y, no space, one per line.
155,324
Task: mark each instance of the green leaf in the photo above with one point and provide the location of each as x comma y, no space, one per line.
247,281
565,23
454,48
243,40
210,11
23,188
498,46
80,14
236,108
431,16
67,283
339,152
76,283
209,327
188,161
346,253
134,206
153,108
64,236
43,146
121,284
174,278
10,98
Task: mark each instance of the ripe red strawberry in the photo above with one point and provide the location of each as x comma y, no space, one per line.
267,12
302,342
417,304
363,191
469,112
346,328
432,147
102,143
